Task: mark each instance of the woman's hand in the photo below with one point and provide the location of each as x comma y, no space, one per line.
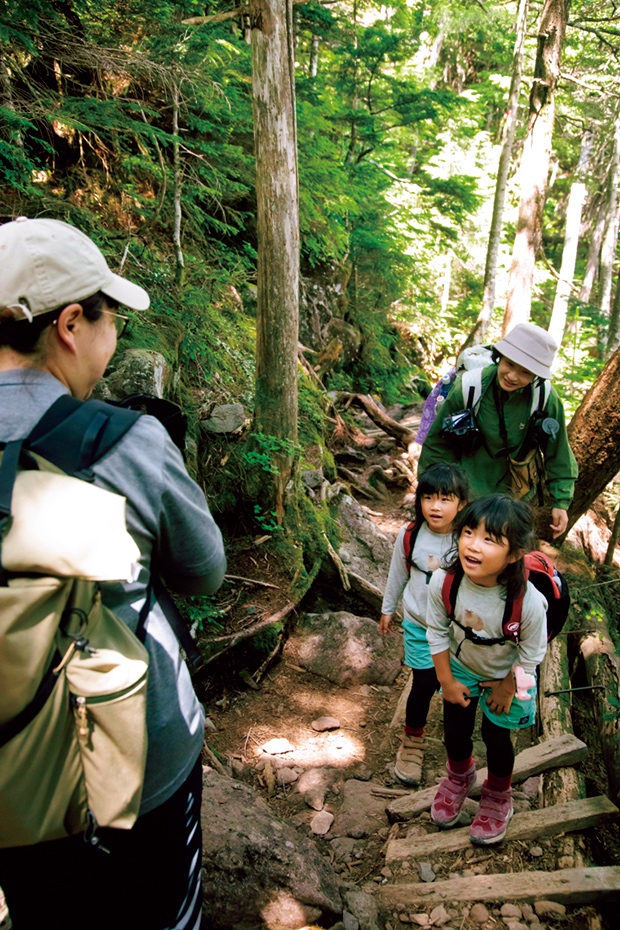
559,522
384,623
502,693
455,692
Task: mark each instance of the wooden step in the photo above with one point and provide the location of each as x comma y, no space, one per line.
568,886
549,821
550,754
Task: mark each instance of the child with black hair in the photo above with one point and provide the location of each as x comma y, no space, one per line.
473,659
442,491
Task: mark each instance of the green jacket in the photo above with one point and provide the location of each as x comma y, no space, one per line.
487,469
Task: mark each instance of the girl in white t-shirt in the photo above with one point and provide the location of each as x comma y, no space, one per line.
473,659
442,491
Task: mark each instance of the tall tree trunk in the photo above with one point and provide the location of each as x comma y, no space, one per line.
535,162
275,139
313,66
505,158
177,173
571,241
610,239
594,435
594,252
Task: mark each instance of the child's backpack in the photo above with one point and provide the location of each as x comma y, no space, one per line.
540,570
411,534
73,698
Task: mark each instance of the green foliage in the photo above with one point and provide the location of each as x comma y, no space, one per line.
202,613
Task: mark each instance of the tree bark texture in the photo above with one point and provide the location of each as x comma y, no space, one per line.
594,435
576,200
594,251
501,186
610,238
535,162
176,156
275,140
563,784
603,668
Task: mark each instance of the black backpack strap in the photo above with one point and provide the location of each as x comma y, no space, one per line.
177,623
75,434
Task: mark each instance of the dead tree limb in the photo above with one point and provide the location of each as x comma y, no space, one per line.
400,433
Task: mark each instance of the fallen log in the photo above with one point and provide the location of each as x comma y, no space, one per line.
602,665
360,484
565,783
568,886
552,753
400,433
550,821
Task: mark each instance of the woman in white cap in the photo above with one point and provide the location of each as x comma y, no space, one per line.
516,417
59,324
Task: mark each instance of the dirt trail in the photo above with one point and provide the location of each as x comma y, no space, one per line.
364,748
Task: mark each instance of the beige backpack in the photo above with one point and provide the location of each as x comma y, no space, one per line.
72,674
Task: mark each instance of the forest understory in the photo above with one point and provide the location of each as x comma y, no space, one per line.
246,715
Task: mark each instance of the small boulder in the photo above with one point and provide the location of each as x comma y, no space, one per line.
549,909
325,723
225,418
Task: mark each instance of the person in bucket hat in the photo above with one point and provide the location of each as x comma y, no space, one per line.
59,326
508,430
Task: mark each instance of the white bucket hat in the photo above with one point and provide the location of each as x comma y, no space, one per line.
46,264
529,346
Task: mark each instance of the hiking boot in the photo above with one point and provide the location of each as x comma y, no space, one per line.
490,823
408,768
451,793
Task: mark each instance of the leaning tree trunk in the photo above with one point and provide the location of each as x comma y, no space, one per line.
277,323
571,241
594,435
501,186
535,162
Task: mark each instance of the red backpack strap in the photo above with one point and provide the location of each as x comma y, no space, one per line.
411,534
511,621
450,589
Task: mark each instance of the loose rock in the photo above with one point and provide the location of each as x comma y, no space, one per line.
425,871
276,747
511,910
325,723
321,823
439,916
549,909
479,913
536,852
286,776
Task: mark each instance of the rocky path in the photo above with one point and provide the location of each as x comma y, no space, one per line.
316,831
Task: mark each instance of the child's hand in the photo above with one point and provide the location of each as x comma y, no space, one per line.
502,692
384,623
455,692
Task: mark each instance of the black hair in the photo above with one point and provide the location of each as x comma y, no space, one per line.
503,518
442,478
23,336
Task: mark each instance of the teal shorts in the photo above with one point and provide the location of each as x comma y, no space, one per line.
521,713
417,651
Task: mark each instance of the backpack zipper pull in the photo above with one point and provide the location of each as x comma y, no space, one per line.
81,717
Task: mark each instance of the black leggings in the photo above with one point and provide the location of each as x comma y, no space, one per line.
458,724
422,690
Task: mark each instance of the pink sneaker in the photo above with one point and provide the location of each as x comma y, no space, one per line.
451,793
490,823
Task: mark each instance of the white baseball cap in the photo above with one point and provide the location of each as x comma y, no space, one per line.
46,264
